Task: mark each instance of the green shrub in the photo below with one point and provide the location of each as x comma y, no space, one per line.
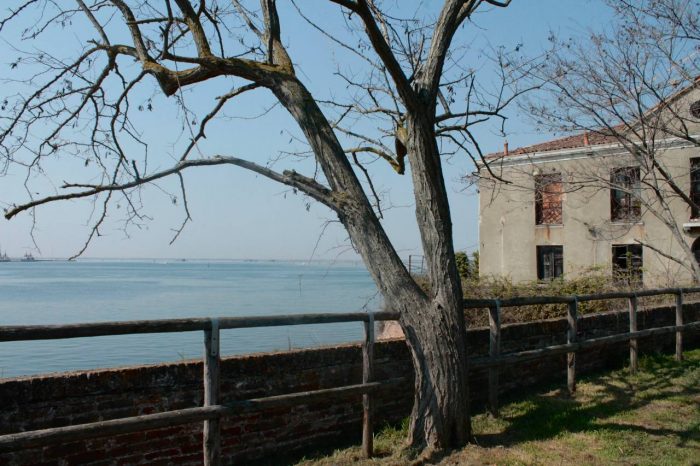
468,269
463,266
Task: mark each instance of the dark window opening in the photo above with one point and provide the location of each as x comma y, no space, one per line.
628,263
695,186
625,194
550,262
548,193
696,250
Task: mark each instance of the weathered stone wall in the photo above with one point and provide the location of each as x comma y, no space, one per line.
78,397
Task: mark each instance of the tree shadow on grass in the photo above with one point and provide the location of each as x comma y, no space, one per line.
683,436
543,417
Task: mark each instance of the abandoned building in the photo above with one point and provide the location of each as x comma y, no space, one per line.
582,202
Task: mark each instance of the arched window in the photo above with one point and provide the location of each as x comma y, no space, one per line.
696,249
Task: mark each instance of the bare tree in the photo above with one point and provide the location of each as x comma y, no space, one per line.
414,88
628,85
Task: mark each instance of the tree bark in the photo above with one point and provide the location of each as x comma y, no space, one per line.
432,321
435,336
438,341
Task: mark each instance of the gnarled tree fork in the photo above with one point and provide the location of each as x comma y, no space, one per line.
183,44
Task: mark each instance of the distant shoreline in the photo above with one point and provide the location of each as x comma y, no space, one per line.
16,261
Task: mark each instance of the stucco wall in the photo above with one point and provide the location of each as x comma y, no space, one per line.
508,234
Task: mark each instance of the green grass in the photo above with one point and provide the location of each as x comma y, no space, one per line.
652,418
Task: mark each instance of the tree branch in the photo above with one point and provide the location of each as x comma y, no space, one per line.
195,27
398,165
291,178
662,253
383,50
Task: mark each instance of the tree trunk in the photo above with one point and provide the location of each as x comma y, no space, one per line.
437,336
440,416
432,322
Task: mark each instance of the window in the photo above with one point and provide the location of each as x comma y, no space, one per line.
696,250
695,186
550,262
627,263
625,194
548,193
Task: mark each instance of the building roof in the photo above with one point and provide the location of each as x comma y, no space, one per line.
568,142
587,139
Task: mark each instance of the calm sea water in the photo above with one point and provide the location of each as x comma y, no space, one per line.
93,291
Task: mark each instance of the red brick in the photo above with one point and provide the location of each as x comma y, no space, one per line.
63,450
173,452
85,457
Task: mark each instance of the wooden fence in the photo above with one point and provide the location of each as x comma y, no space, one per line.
212,411
495,359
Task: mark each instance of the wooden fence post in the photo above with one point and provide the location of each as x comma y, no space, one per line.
212,369
679,322
572,320
367,375
494,351
633,328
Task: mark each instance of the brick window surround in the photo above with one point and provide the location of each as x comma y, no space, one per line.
548,199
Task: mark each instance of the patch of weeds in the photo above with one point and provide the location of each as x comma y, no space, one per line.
391,438
389,450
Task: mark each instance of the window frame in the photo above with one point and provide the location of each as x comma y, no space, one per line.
633,271
625,203
554,254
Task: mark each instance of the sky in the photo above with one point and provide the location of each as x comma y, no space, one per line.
239,215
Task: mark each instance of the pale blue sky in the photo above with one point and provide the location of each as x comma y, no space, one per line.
239,215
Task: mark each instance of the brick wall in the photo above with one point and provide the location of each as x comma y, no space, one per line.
79,397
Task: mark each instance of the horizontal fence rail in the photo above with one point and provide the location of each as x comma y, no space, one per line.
213,411
182,416
495,360
522,356
97,329
535,300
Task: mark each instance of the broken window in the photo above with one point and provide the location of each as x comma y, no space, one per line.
625,194
550,262
548,196
695,186
627,263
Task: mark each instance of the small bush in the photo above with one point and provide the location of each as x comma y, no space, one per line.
462,264
468,268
